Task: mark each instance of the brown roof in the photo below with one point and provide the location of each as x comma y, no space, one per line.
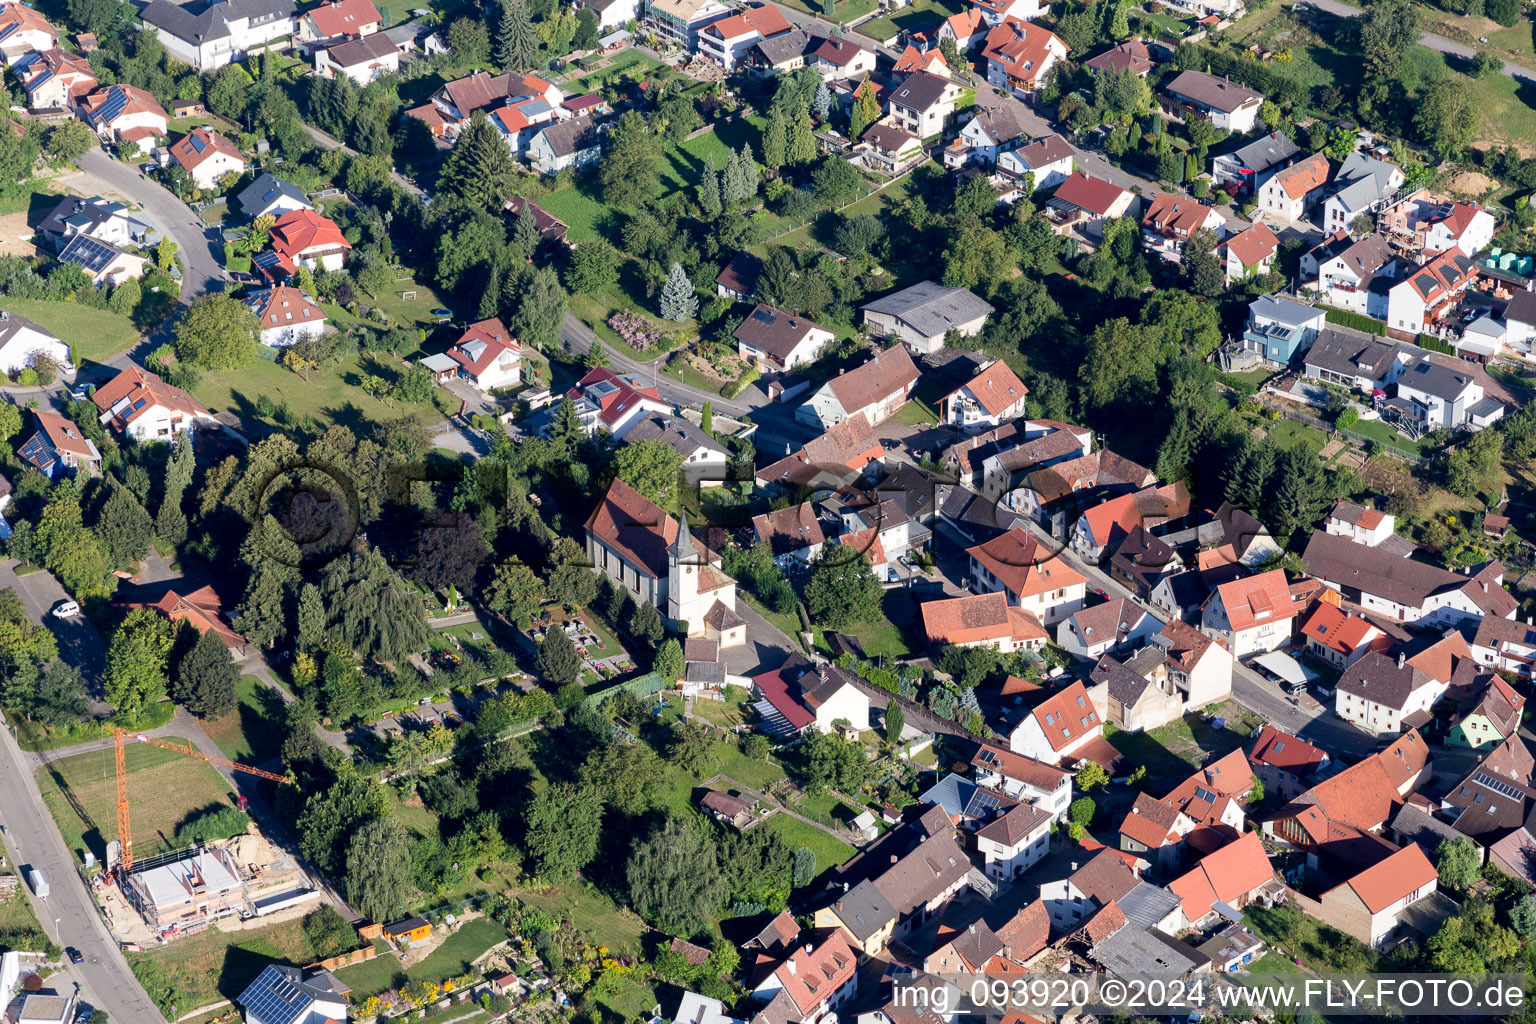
1402,580
1150,822
1286,752
1105,923
1382,680
789,529
978,617
1303,176
1085,192
1016,766
694,955
937,863
1105,878
1208,90
1176,215
1111,620
1048,149
1027,932
699,649
1184,645
1066,715
122,396
1023,564
1015,826
774,331
885,375
1130,56
741,274
631,524
1254,244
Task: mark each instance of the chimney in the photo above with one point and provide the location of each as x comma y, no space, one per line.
1074,865
1401,657
807,949
894,858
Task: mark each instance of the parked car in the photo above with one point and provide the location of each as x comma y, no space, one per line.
65,609
74,955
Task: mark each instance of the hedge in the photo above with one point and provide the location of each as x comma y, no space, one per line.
735,387
1435,344
1358,321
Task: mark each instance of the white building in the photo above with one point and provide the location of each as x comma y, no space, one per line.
210,37
875,389
994,396
287,316
1442,395
125,113
207,156
1044,163
361,60
573,143
776,340
1058,727
1015,841
1379,692
288,995
1251,615
22,31
22,341
1229,106
920,316
725,41
1363,185
489,357
1089,633
1023,778
1289,192
145,408
1359,523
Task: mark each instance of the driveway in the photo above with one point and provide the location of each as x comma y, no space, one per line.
79,643
68,915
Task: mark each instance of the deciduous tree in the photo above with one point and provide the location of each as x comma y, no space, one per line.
379,870
674,878
136,661
218,332
842,590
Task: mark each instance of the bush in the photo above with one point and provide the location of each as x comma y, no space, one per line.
1358,321
636,330
736,386
212,822
328,933
1082,810
1348,418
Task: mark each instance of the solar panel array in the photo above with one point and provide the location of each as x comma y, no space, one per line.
89,254
1498,786
273,998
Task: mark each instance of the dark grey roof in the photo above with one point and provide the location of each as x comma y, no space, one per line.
931,308
1265,152
1436,379
1188,588
1001,123
1353,353
267,188
1484,407
674,432
1382,680
1147,904
711,672
920,91
573,136
1124,685
13,323
1208,90
952,793
1522,308
1147,952
282,994
1413,824
89,255
358,51
784,46
774,331
200,23
863,910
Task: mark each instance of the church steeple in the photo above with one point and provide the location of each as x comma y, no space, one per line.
682,547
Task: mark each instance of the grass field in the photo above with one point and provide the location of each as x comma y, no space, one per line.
1290,433
328,396
591,912
253,734
829,852
916,15
683,166
409,312
203,969
1181,746
91,334
163,787
16,914
1508,106
448,960
580,205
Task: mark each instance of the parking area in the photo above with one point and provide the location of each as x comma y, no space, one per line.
79,642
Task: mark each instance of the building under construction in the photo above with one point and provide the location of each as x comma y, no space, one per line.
186,890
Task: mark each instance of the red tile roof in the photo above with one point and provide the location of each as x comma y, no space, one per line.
889,372
1178,216
1095,195
1022,48
966,23
978,617
996,387
1286,752
1253,245
766,21
64,435
818,973
283,306
141,391
1203,795
1006,763
133,101
1024,565
1257,599
1401,874
1150,822
633,525
1340,631
344,17
912,59
1303,176
298,231
203,609
482,344
1066,715
199,145
1229,874
775,689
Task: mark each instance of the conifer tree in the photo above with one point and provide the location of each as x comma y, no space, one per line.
678,299
517,42
479,166
490,295
746,173
866,111
709,190
802,139
312,619
821,106
171,523
776,140
261,613
525,234
205,678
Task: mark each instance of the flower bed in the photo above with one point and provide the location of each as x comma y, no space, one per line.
636,331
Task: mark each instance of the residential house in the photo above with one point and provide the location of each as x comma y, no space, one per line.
304,238
1154,830
126,113
207,156
22,342
339,19
833,459
726,809
964,29
778,341
1280,329
1340,638
1422,298
55,79
1434,395
897,896
872,391
1382,694
361,60
202,609
1227,105
1102,880
794,534
285,316
653,556
613,15
1505,645
1290,192
1493,800
1141,561
1014,841
1361,524
1023,778
1137,693
489,357
842,59
1032,576
1044,163
1356,802
1466,226
1520,321
1249,253
985,137
1363,184
994,395
739,278
57,448
573,143
923,104
782,54
1055,496
289,995
1084,203
1216,794
1170,219
1058,727
271,195
679,22
1199,667
981,620
1101,528
998,11
836,700
811,983
1115,625
1377,904
1251,615
1489,714
454,102
104,263
706,462
1228,878
145,408
1355,275
24,31
888,149
1287,765
1253,164
1405,589
210,35
922,315
1355,360
551,228
912,59
1019,54
723,42
1133,55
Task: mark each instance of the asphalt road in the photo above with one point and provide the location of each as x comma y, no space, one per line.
68,914
1429,39
578,338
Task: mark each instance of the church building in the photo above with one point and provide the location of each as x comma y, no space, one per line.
642,549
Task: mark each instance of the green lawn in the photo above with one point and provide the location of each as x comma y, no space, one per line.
683,166
1508,107
414,311
1289,433
1181,746
91,334
254,732
1383,433
201,969
163,788
448,960
16,913
916,15
829,852
329,396
580,205
591,912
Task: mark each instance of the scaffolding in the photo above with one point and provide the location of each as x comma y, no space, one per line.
184,891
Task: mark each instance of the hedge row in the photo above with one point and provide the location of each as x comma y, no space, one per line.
1358,321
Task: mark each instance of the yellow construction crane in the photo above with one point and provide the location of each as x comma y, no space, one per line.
124,833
